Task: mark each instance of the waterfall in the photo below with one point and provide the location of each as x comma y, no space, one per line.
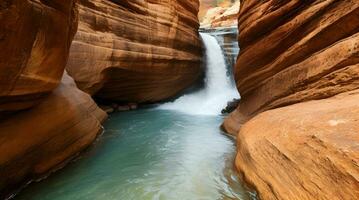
218,88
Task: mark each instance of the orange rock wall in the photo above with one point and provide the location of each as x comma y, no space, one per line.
298,76
44,119
35,141
294,51
303,151
136,51
35,37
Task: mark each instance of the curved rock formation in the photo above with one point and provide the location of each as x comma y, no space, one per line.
136,51
292,52
221,17
304,151
34,141
295,51
35,37
52,122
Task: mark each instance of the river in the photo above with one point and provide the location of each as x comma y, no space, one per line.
170,151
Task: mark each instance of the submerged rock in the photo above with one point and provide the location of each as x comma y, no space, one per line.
136,51
231,106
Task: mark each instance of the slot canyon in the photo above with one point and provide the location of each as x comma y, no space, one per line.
179,99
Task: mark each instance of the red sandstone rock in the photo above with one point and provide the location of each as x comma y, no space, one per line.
136,51
289,55
304,151
291,52
221,17
53,122
35,37
34,141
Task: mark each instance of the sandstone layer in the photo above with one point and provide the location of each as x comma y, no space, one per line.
34,141
304,151
294,52
206,5
35,37
221,17
42,124
136,51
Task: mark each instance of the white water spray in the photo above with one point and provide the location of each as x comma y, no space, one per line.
218,88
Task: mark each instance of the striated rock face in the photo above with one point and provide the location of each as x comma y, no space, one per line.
35,37
136,51
206,5
52,122
293,52
34,141
221,17
296,51
304,151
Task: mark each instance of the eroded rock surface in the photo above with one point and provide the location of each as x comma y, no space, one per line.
35,37
304,151
136,51
294,52
221,16
42,124
34,141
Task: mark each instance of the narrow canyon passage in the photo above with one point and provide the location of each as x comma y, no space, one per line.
170,151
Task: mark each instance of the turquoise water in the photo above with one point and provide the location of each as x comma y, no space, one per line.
149,154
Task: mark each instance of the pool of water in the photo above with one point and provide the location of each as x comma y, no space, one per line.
150,154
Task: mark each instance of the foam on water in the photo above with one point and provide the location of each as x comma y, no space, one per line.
218,88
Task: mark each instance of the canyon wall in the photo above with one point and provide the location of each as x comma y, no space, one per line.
221,16
34,38
136,51
206,5
293,52
44,119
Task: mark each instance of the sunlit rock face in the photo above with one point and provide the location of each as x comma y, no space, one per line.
303,151
53,120
35,37
290,55
208,4
136,51
221,16
294,52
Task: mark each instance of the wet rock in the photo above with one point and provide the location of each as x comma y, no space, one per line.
133,106
231,106
107,109
123,108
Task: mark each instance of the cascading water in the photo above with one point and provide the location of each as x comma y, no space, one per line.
218,88
158,153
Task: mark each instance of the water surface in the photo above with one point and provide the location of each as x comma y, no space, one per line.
149,154
175,151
